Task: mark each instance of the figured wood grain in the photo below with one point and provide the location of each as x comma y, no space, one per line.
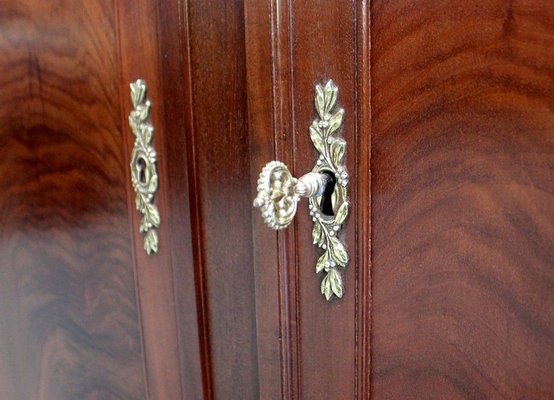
68,316
463,199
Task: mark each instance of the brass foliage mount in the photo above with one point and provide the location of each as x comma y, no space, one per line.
144,174
332,149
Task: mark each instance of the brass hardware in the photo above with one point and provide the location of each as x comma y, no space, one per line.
144,174
279,192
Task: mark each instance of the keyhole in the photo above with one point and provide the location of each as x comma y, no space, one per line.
141,168
327,196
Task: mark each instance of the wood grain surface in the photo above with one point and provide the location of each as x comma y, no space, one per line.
323,46
150,49
218,164
178,124
463,199
68,316
308,347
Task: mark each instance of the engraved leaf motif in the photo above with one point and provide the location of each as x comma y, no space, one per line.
317,137
333,153
336,121
134,122
139,203
317,233
153,215
339,195
338,252
326,287
320,266
153,184
143,111
336,282
145,190
138,91
330,93
338,149
321,240
151,242
146,133
342,213
319,101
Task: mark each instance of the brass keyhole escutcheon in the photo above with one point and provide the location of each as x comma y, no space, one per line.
144,174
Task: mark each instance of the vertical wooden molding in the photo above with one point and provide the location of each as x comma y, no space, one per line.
363,199
195,208
290,48
179,151
268,51
218,161
284,133
140,57
258,40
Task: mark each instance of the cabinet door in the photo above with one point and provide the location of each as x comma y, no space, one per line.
308,346
463,199
69,325
79,297
449,125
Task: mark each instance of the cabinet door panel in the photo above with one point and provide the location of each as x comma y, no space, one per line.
463,199
68,316
309,347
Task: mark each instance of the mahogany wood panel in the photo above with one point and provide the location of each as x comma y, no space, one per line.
152,43
463,199
323,47
68,316
220,199
309,348
178,123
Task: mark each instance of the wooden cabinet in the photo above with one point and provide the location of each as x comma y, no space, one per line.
449,125
69,321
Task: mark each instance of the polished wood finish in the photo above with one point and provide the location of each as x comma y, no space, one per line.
309,348
450,131
178,125
165,281
218,164
463,201
69,327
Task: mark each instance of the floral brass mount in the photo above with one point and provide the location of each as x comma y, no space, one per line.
279,192
144,174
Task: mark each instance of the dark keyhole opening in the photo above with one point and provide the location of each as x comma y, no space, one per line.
327,197
141,166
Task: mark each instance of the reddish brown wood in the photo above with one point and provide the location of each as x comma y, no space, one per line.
68,316
363,200
178,125
165,281
463,201
291,46
269,100
452,279
326,330
218,164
